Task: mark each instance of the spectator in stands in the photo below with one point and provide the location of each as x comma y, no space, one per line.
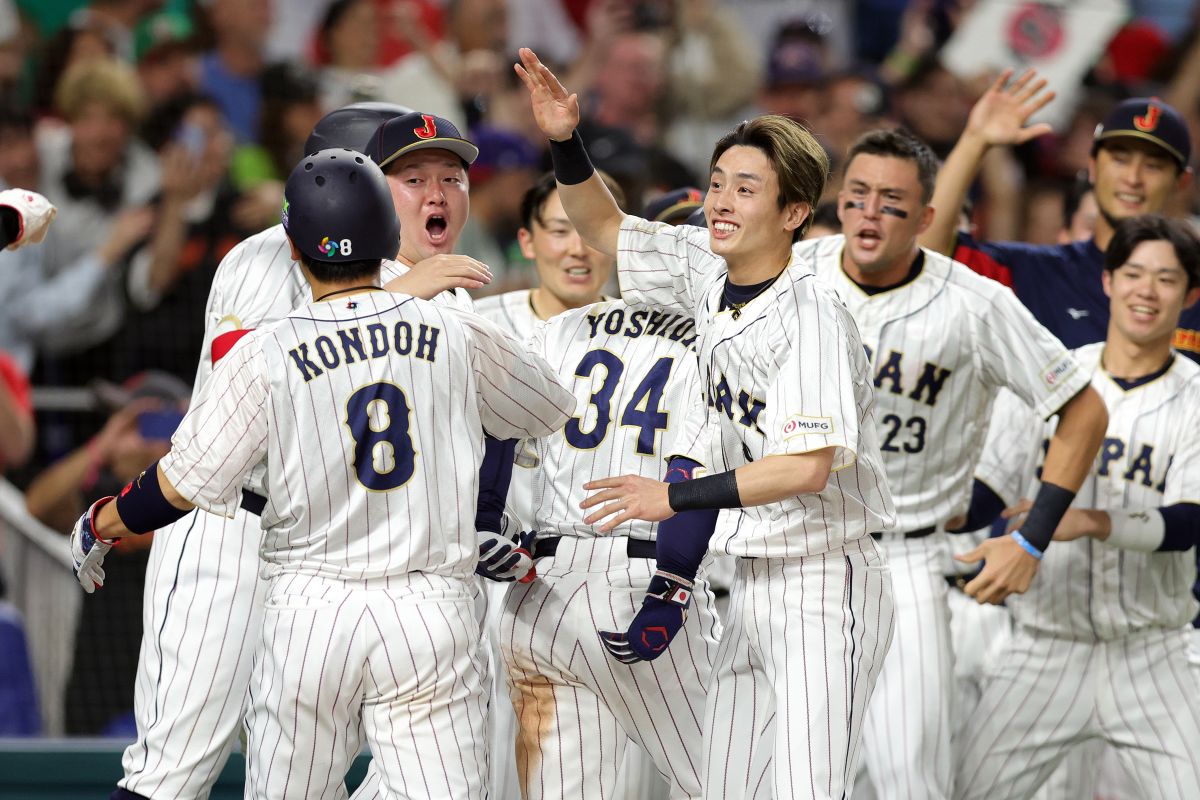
167,57
101,179
290,109
932,104
195,226
145,411
71,45
797,69
348,51
230,72
116,20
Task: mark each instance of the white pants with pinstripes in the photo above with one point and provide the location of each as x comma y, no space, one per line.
577,707
803,646
201,616
397,659
1048,694
906,738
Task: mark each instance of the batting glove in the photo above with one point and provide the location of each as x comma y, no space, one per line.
34,211
502,557
88,549
662,614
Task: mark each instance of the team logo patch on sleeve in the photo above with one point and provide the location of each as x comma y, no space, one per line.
1054,373
797,425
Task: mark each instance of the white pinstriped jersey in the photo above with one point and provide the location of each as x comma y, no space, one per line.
1087,589
512,311
258,283
786,374
636,378
940,346
370,411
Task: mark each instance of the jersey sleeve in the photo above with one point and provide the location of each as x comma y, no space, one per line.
688,435
1018,353
1008,460
663,265
1183,474
812,402
519,394
223,435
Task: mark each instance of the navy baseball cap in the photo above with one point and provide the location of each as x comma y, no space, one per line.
417,131
674,206
1151,120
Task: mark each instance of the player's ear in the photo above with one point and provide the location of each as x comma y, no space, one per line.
525,240
295,250
1185,179
926,219
1191,297
1106,282
796,214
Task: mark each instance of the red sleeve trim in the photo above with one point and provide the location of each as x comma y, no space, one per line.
224,343
983,264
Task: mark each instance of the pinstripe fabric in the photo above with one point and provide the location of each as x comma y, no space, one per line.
403,653
1048,694
202,605
1101,645
811,613
804,642
576,706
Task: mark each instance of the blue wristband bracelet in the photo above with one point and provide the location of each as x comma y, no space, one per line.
1025,545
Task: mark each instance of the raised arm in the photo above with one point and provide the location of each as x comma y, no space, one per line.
585,198
999,117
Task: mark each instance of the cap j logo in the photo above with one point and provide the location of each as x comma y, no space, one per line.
328,247
430,129
1148,121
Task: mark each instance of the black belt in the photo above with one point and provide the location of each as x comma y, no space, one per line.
634,548
920,533
252,502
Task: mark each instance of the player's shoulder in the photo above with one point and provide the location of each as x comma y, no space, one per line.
497,306
822,254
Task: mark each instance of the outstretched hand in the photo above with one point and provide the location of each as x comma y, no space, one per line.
556,111
625,498
439,273
1001,115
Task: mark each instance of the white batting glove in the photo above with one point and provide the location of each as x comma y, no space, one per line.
501,556
88,549
35,211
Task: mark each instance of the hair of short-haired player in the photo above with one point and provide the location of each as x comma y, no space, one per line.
335,272
535,197
904,145
1131,232
799,161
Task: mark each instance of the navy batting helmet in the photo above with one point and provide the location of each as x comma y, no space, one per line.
337,207
351,126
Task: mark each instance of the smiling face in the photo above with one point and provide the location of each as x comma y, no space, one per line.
1132,177
742,208
429,188
877,242
573,273
1148,293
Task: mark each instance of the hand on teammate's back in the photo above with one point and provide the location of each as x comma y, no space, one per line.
555,110
431,276
625,498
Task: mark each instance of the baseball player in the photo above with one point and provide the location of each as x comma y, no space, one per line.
203,605
941,341
1099,647
634,374
25,216
787,384
369,539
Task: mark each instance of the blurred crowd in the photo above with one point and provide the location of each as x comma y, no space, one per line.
163,131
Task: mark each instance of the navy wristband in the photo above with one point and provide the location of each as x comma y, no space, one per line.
1047,511
142,506
571,162
712,491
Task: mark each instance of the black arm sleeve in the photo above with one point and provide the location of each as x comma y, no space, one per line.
1182,527
495,473
683,539
986,505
